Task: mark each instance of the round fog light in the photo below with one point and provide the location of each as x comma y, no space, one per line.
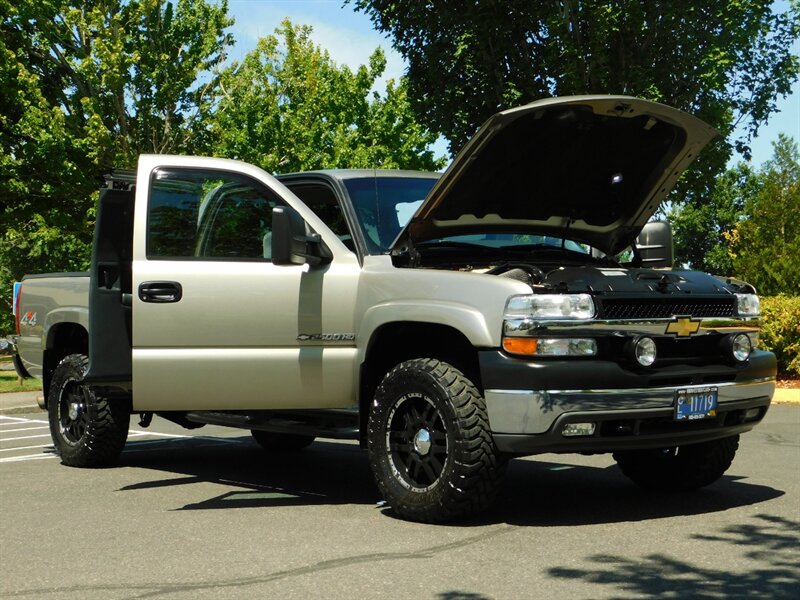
741,347
645,351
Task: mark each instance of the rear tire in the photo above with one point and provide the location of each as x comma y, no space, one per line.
430,447
681,468
87,430
281,442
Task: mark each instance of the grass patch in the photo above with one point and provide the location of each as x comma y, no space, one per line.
8,383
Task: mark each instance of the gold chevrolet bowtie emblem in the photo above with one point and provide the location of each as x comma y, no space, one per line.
683,327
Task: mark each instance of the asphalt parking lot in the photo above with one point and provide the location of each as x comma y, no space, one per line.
208,514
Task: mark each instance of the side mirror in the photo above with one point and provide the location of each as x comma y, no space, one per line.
654,244
294,242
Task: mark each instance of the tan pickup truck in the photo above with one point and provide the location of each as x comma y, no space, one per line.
447,322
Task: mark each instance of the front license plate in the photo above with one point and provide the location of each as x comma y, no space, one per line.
698,403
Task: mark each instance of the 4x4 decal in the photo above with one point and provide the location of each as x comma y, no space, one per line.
29,319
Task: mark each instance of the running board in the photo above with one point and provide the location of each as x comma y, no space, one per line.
341,425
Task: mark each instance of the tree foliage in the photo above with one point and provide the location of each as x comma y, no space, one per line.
88,86
748,227
84,87
288,107
700,228
765,245
725,61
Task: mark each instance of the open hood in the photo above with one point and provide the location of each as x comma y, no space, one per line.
590,168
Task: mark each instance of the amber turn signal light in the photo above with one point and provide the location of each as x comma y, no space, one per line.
514,345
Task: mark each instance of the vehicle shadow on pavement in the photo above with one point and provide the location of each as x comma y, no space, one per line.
542,493
323,473
536,492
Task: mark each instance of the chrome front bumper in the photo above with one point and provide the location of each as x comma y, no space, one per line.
532,412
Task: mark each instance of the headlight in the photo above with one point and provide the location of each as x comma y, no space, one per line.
748,305
566,307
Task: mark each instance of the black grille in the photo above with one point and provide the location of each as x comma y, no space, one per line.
664,308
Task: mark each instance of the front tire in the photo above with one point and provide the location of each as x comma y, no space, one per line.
87,430
681,468
430,447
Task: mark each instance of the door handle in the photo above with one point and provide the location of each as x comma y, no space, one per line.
160,292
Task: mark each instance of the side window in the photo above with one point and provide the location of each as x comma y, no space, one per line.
322,200
204,214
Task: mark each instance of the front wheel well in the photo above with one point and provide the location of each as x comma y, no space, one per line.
394,343
62,340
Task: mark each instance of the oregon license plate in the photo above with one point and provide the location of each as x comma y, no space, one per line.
696,403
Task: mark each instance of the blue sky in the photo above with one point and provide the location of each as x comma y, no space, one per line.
350,39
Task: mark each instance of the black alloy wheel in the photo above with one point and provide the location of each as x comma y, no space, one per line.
431,450
88,430
73,415
416,442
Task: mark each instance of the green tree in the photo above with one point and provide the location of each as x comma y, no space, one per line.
700,229
725,61
288,107
84,87
766,245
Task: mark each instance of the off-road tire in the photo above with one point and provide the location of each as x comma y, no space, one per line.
430,447
281,442
87,430
681,468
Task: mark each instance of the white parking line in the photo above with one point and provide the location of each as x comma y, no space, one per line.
27,457
15,420
138,433
25,437
25,429
24,448
133,434
11,419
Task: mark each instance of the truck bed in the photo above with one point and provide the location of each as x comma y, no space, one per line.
47,300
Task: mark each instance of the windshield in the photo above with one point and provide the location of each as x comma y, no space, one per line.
384,205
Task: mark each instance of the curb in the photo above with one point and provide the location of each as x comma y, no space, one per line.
20,402
786,396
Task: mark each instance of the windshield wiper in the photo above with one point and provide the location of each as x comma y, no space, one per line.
434,244
548,247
